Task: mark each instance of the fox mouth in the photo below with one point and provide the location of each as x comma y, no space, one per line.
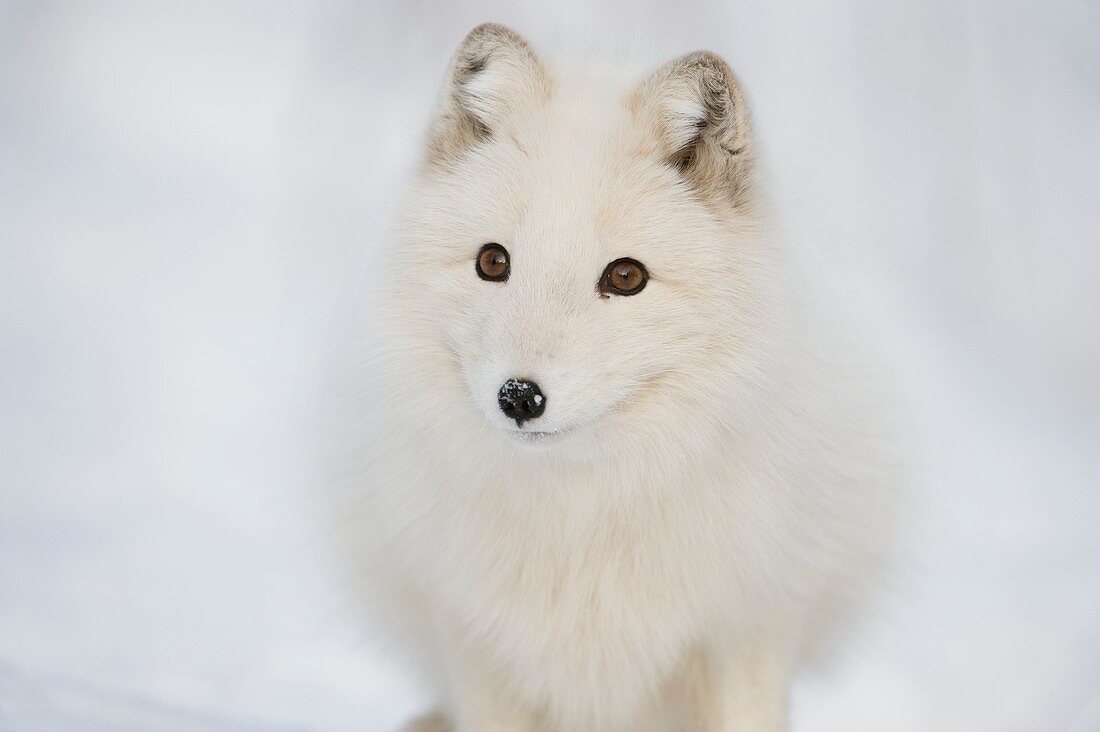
534,437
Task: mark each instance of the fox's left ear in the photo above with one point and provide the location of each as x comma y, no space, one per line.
696,112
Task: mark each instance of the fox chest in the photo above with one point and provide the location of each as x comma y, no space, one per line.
605,612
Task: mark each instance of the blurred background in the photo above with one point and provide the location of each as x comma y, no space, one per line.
185,186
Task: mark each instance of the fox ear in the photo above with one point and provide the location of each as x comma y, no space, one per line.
492,74
697,112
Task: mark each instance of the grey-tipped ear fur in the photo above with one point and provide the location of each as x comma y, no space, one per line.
698,110
492,73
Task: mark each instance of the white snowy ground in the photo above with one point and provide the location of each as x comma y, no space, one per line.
184,187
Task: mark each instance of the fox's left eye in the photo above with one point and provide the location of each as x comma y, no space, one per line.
623,277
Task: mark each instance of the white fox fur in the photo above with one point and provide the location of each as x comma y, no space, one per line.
718,478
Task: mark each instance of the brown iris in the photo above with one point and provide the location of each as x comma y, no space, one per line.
623,277
493,263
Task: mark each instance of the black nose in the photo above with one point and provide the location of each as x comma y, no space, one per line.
521,400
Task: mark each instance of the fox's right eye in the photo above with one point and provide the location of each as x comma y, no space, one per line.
493,263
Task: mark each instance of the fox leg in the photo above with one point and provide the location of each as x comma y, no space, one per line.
481,702
747,691
433,722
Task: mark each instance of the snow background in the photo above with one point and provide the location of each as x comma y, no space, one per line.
184,186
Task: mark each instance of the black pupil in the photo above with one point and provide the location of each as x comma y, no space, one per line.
624,273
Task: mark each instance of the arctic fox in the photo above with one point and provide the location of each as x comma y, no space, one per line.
604,462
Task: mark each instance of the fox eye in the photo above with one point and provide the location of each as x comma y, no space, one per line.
493,263
623,277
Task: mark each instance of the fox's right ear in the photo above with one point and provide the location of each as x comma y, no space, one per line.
493,72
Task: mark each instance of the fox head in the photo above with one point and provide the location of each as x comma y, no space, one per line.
580,255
